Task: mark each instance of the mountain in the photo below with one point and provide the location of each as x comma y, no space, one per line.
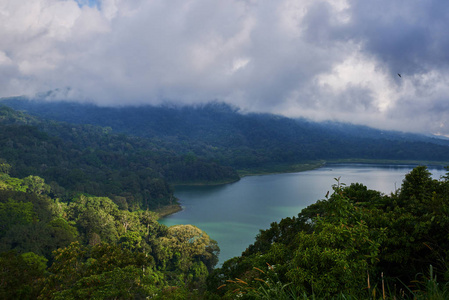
221,133
70,241
134,172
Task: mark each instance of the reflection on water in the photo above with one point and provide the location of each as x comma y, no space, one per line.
232,214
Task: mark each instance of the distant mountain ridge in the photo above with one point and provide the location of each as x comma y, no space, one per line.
134,172
244,141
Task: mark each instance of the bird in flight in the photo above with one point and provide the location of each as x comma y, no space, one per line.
399,75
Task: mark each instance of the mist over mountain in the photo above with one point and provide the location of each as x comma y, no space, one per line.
220,132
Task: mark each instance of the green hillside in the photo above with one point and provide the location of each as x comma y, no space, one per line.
77,206
89,248
355,244
250,142
135,172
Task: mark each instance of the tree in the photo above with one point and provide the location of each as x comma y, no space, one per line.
5,168
417,189
335,244
15,213
103,271
36,185
94,217
188,249
20,275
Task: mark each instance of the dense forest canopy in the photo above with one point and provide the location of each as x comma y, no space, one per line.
77,205
356,243
135,172
244,141
90,248
133,155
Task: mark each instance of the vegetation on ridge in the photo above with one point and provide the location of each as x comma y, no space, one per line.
247,142
134,172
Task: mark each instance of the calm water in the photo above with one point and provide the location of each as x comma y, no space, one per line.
232,214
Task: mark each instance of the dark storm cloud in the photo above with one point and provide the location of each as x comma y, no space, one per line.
408,36
405,36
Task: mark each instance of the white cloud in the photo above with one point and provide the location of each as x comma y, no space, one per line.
4,59
325,59
361,72
239,63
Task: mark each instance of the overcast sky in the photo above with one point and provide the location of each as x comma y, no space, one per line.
319,59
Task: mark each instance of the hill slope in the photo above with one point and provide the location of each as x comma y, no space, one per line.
135,172
245,141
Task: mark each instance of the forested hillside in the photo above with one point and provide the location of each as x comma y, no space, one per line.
89,248
245,141
134,172
76,203
355,244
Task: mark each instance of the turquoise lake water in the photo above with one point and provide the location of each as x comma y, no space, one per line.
233,214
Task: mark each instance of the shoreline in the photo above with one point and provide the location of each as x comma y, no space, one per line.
168,210
174,208
280,169
398,162
205,183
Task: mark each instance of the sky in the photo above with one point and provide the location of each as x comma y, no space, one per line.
319,59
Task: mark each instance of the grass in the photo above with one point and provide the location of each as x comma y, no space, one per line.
426,287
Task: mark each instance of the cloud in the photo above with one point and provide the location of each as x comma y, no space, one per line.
321,59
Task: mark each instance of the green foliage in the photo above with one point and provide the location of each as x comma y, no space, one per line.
36,185
428,287
218,132
62,227
29,220
10,183
332,259
120,283
5,168
131,240
189,250
340,247
88,159
268,288
101,271
141,258
357,243
15,213
94,217
20,275
117,271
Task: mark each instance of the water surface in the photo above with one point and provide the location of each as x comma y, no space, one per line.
233,214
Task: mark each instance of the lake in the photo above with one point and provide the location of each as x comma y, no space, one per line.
233,214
